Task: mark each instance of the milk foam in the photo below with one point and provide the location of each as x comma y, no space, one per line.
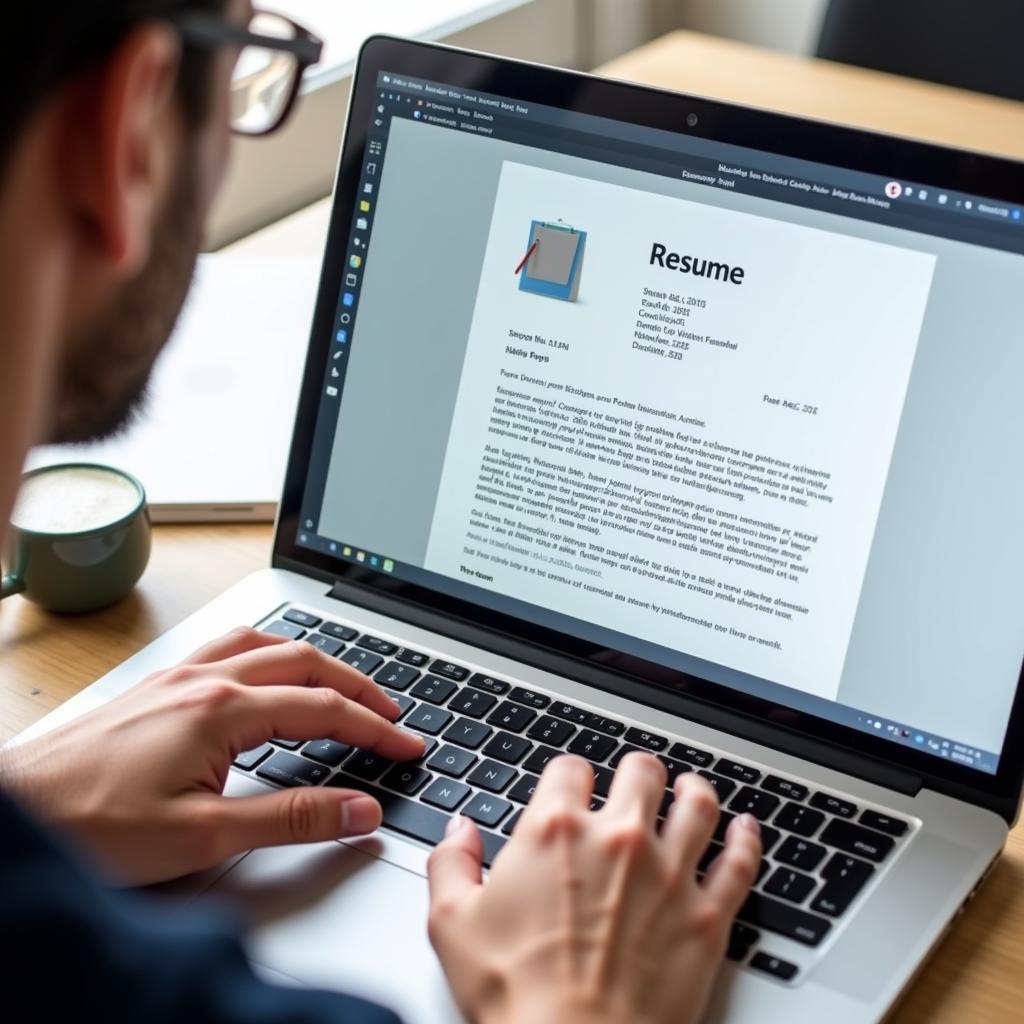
73,499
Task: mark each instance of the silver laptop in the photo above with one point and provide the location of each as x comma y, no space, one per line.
635,420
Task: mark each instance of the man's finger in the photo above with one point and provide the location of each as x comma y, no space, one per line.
638,786
691,821
252,714
238,641
296,663
303,815
567,781
454,867
734,870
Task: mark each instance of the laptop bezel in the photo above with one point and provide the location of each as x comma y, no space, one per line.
870,152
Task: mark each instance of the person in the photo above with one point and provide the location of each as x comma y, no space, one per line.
114,138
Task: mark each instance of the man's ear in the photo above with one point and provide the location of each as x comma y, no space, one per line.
122,135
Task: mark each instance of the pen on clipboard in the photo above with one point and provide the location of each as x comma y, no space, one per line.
526,258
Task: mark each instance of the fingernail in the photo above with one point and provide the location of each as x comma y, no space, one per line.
359,816
750,823
454,824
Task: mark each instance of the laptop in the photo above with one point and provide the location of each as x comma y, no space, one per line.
634,420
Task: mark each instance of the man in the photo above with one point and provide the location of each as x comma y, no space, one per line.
114,122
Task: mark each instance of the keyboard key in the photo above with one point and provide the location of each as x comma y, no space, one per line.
453,761
328,752
346,633
602,779
789,885
856,839
784,919
799,853
884,823
673,767
474,703
413,819
327,644
784,787
713,850
781,969
741,938
413,658
832,804
365,764
429,746
492,776
801,820
506,747
538,760
735,770
513,717
301,618
248,759
489,684
509,827
289,770
404,702
724,820
569,712
529,698
286,629
551,730
522,792
646,740
425,718
378,646
446,793
407,778
723,787
486,809
398,677
287,744
608,726
753,801
619,754
596,803
449,670
467,733
684,752
433,688
366,661
769,837
844,878
594,746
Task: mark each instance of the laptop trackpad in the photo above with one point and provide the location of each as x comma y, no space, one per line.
337,917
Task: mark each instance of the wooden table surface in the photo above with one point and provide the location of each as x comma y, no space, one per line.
977,975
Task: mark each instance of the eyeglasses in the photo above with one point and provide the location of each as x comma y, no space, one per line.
274,52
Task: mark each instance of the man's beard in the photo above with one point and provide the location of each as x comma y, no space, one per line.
101,385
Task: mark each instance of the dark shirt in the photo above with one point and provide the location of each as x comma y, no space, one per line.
73,949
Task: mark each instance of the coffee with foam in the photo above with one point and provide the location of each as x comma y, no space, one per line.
74,499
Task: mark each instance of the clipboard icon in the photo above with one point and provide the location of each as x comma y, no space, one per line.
553,263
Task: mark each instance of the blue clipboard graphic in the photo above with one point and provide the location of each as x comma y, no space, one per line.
554,265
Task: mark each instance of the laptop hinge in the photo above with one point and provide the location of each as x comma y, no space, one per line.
757,730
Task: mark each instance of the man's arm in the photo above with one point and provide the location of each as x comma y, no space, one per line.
74,949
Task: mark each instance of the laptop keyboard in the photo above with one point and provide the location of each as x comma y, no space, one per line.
488,740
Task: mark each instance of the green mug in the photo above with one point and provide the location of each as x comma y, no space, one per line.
79,537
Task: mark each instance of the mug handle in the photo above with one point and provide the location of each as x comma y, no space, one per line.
10,585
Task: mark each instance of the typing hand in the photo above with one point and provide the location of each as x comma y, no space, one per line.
138,781
592,917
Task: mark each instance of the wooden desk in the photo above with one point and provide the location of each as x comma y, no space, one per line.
978,974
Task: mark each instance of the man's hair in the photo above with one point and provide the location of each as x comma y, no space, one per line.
49,41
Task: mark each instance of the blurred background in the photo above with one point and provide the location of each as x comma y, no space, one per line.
973,45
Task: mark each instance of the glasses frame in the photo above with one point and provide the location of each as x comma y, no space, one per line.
204,29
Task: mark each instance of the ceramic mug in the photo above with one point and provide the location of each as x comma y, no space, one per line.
79,537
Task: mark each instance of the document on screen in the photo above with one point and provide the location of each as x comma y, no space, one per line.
694,450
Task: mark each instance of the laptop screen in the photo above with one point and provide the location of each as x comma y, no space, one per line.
748,417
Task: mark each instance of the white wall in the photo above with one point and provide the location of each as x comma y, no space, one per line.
790,25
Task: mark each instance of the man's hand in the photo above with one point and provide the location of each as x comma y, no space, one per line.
592,917
139,780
